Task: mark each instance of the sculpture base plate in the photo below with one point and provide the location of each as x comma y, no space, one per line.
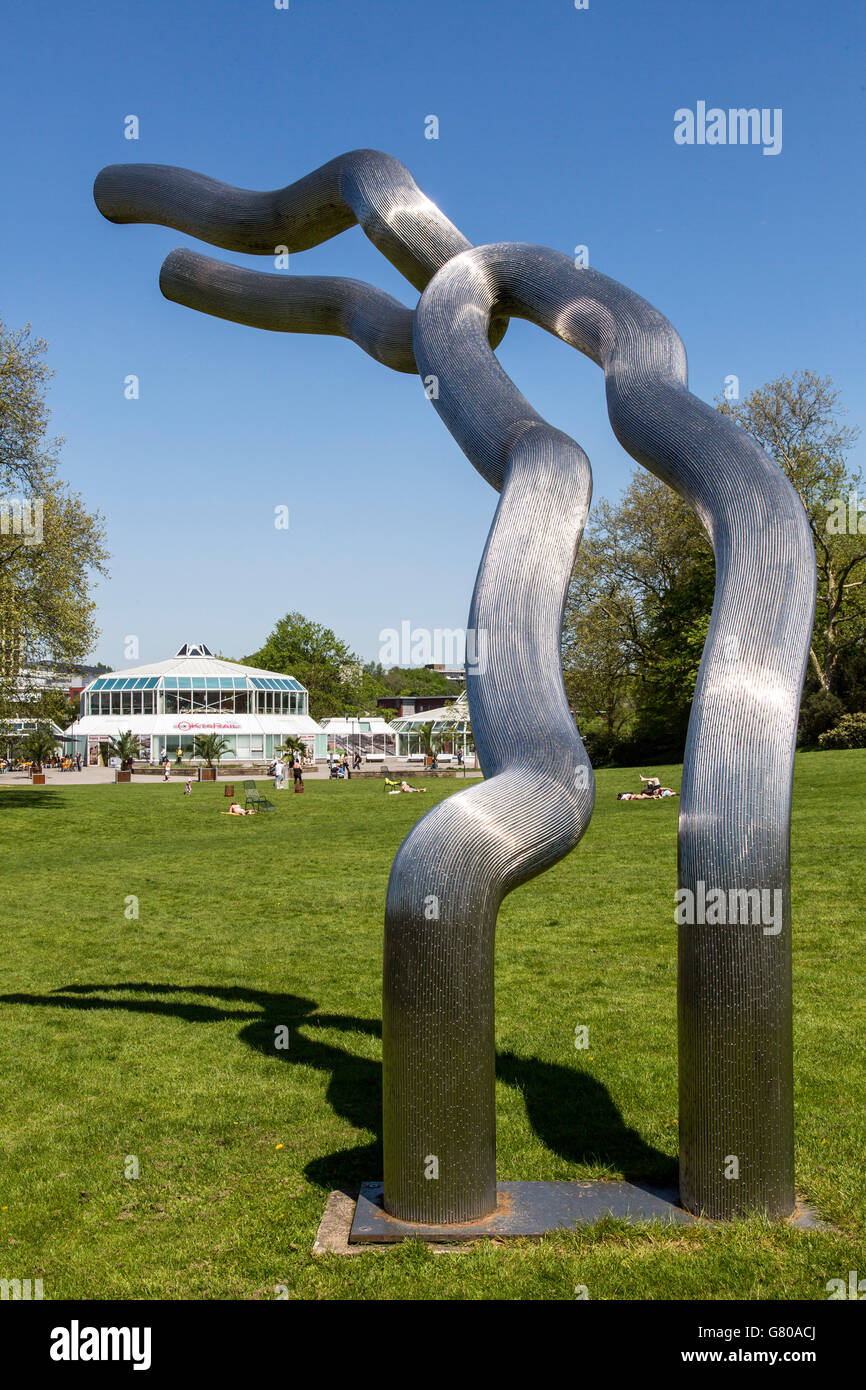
524,1209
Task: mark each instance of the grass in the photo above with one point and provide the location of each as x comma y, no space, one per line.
152,1037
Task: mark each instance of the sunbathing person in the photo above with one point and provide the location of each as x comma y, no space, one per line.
656,794
236,810
404,787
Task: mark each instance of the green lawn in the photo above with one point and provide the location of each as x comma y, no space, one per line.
155,1038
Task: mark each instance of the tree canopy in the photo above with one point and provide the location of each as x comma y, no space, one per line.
51,545
641,593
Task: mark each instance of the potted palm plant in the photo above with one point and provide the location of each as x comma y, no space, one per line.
425,732
37,747
211,747
124,747
292,745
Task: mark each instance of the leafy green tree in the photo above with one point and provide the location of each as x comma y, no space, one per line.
636,617
314,655
411,680
642,591
50,705
797,421
50,544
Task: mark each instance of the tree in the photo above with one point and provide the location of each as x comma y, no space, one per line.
38,746
425,733
211,747
636,618
410,680
642,590
796,420
49,705
125,746
292,745
50,545
315,656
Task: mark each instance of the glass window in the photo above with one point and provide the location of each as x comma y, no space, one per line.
136,702
126,702
115,702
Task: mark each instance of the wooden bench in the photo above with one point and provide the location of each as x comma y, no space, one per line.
253,798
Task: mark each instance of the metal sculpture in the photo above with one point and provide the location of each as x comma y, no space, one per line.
459,861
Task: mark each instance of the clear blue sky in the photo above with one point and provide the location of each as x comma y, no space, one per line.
556,127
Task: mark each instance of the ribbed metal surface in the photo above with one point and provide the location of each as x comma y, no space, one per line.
458,862
736,1082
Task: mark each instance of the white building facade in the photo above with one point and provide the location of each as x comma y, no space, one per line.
166,704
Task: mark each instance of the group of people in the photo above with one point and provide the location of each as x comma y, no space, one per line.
654,791
341,767
279,771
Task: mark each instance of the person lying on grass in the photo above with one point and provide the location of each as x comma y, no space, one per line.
657,794
404,787
236,810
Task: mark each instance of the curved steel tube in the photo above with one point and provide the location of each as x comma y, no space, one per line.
736,1083
457,864
382,326
362,186
460,860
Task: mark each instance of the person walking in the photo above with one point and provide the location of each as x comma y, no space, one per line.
298,774
347,770
166,770
278,774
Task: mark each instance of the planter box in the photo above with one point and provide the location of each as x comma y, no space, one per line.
207,774
123,776
38,779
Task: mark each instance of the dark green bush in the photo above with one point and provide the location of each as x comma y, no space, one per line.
850,732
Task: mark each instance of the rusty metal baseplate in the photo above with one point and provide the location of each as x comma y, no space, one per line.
524,1209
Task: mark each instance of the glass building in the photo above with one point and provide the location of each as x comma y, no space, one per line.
451,732
167,703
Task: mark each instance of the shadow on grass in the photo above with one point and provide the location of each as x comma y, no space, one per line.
29,798
571,1113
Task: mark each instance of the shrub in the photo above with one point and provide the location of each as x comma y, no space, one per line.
850,732
819,712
